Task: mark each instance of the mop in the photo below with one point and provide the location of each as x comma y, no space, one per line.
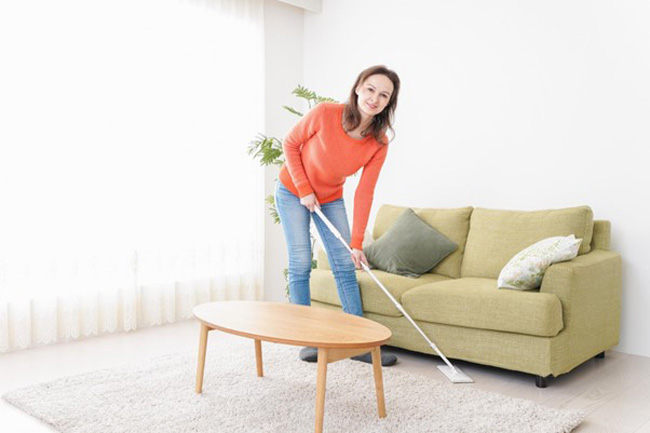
452,373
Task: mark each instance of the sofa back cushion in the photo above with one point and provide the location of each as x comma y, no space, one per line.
453,223
495,236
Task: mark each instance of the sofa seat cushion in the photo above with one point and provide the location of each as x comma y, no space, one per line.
477,303
495,236
323,289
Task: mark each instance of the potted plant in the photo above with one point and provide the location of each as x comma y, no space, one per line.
268,151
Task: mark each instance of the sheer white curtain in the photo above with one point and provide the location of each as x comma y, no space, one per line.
126,193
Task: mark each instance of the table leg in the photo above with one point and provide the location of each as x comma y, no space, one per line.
379,381
320,388
203,343
258,358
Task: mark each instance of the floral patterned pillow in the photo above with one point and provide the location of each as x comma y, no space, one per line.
526,269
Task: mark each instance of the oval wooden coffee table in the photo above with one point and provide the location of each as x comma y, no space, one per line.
337,336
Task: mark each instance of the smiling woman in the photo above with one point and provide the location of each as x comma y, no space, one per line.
121,124
329,144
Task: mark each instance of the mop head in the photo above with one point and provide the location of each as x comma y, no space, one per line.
454,374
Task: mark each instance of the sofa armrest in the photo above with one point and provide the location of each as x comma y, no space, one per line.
589,288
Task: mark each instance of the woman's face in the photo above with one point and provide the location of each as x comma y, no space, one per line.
373,94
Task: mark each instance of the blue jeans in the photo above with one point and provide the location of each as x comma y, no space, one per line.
295,219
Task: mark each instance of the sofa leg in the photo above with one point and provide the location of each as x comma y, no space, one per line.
601,355
540,381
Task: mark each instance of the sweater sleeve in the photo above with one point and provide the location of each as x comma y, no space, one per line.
299,134
364,195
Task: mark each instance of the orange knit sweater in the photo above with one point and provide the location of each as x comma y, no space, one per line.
319,155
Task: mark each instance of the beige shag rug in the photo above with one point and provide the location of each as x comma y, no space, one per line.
159,397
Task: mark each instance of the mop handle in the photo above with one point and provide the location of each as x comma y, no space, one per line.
336,233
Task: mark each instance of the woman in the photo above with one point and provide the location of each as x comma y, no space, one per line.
330,143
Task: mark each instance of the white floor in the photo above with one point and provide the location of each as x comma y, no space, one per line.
615,391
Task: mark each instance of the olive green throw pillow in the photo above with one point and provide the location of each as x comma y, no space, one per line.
410,247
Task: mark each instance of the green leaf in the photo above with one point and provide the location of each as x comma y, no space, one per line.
272,209
304,93
292,110
268,150
320,99
311,96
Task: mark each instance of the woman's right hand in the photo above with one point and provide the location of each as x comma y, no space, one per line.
310,202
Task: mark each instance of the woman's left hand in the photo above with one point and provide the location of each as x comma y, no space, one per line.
359,257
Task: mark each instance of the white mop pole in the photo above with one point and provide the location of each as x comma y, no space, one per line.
453,374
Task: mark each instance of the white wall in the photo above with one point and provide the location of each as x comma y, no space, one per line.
508,104
284,70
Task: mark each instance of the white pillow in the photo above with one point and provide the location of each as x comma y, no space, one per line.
526,269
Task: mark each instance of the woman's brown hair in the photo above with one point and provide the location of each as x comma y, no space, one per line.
382,121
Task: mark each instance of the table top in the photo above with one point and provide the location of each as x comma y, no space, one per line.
292,324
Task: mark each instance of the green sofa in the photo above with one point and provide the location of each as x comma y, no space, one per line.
573,317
